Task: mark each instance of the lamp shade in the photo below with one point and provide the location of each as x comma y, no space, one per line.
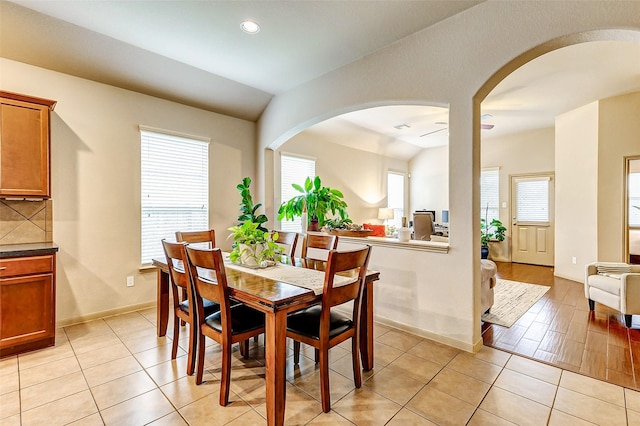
385,213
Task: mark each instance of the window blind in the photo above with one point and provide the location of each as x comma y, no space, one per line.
395,197
174,188
294,169
532,200
490,194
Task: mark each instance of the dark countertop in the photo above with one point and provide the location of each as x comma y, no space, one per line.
30,249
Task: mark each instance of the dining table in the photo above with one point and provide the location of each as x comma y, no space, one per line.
276,298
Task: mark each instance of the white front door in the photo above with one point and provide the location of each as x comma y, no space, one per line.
532,209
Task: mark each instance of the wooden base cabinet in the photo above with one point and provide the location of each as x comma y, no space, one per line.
27,303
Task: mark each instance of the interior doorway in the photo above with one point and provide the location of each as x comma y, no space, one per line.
633,210
532,212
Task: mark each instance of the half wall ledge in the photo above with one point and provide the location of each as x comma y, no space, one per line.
416,245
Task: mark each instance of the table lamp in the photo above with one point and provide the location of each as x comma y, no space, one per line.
385,213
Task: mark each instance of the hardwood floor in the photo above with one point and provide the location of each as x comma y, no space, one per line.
560,330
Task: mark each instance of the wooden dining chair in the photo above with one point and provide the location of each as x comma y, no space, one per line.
323,328
231,324
318,242
290,241
205,239
208,236
183,300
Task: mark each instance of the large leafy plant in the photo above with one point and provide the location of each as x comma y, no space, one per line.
495,231
248,211
250,238
318,200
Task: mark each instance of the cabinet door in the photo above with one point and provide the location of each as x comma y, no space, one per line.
26,309
24,149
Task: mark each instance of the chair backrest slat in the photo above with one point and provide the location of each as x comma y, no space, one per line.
175,254
289,239
209,277
208,236
355,261
318,242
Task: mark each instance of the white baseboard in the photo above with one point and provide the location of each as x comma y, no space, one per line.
110,312
431,336
426,334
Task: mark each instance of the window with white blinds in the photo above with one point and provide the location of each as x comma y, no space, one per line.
490,194
395,197
294,169
532,203
174,188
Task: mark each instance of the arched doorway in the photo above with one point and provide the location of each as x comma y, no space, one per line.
575,166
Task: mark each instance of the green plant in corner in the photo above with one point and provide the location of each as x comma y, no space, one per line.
253,244
494,231
319,201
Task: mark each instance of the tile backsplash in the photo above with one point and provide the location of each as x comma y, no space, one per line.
23,221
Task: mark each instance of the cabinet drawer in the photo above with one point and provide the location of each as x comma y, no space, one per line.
26,265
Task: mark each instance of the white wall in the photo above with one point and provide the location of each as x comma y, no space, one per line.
521,153
591,143
96,182
429,183
402,298
450,64
619,136
576,153
360,175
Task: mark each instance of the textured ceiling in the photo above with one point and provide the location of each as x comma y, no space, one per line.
194,52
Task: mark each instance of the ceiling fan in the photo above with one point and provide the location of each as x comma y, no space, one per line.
482,125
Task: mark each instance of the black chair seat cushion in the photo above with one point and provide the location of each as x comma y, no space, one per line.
243,318
307,322
209,307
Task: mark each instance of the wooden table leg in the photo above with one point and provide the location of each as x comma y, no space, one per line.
275,354
162,308
366,327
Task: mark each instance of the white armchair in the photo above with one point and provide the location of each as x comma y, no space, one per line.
616,285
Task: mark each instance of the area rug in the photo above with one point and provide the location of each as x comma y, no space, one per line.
511,300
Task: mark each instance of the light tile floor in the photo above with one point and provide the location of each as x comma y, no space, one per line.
115,371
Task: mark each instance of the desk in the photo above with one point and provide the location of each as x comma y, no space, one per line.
276,299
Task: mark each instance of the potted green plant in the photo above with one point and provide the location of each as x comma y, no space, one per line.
249,211
318,200
253,244
494,231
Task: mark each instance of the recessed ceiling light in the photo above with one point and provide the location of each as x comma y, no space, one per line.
250,27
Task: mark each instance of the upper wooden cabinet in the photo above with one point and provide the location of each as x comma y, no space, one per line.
25,148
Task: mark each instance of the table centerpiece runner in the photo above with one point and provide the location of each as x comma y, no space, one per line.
301,277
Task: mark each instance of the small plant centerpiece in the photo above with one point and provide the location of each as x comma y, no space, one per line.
253,244
318,200
493,231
